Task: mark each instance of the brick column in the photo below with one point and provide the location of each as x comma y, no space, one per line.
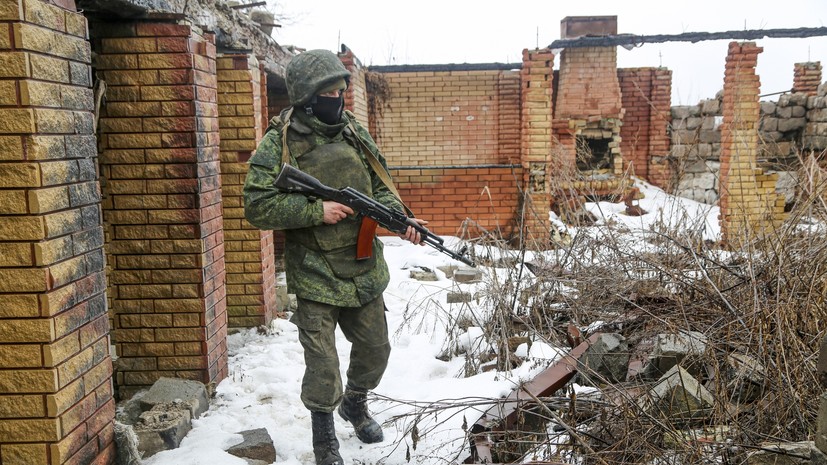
749,204
659,170
251,277
537,77
159,157
636,92
56,403
356,99
807,77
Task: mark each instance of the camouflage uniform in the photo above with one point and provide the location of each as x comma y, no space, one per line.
331,285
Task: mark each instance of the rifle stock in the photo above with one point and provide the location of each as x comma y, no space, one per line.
293,180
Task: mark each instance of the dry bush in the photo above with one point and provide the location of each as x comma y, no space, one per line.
764,303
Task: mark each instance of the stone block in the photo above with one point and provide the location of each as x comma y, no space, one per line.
162,428
679,396
256,445
682,112
467,275
821,423
458,297
672,349
424,275
168,390
607,360
768,108
792,453
791,124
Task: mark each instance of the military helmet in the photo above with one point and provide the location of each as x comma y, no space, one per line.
311,71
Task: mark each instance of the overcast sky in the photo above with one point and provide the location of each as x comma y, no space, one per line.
463,31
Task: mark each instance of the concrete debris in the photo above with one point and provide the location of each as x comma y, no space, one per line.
821,423
256,447
193,394
678,396
817,457
467,275
163,427
710,435
747,377
672,349
127,452
793,453
607,360
235,29
448,270
161,416
424,274
459,297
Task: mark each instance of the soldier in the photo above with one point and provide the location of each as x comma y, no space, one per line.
331,286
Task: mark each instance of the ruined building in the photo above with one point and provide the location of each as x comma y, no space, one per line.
126,125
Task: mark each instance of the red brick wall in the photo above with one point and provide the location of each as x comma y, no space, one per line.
646,99
636,91
159,156
588,84
447,196
659,171
248,251
462,127
56,399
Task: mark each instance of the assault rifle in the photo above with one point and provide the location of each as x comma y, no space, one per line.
296,181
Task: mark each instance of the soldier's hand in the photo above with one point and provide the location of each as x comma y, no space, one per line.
335,212
412,235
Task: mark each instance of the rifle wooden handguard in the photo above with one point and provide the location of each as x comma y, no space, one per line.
364,245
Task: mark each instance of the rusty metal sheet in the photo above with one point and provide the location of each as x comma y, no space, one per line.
503,415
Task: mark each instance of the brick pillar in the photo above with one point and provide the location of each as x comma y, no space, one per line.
356,99
659,171
636,92
56,402
159,157
807,77
749,204
251,277
537,77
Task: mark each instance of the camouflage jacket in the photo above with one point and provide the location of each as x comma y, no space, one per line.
329,276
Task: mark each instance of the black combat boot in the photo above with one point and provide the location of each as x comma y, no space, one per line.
354,409
325,444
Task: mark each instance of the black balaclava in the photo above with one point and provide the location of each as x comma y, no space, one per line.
328,109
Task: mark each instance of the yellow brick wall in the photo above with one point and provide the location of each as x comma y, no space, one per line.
446,118
56,399
248,251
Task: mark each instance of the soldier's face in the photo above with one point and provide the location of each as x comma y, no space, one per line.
333,93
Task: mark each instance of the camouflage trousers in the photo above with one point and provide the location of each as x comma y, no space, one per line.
367,330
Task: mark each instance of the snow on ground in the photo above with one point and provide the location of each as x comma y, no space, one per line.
262,389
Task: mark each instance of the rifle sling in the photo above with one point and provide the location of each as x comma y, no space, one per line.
376,165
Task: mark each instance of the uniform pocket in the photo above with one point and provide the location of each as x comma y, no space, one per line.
306,322
344,264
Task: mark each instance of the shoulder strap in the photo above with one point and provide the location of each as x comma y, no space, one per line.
377,166
285,150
